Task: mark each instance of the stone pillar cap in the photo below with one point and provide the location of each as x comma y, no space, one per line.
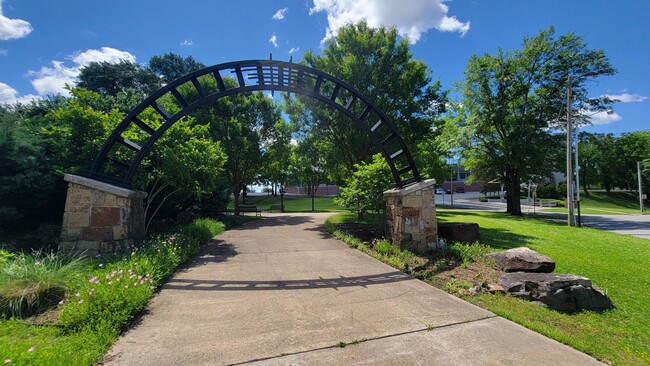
102,186
410,189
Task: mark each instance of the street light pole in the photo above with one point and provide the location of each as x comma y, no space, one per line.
569,167
638,170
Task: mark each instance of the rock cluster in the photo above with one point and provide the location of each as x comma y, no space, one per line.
529,277
561,292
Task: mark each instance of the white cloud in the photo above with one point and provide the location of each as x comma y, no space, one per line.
9,95
187,43
294,50
3,52
274,40
53,79
280,14
626,97
410,20
13,28
602,117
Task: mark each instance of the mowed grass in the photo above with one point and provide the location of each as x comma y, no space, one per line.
617,264
291,203
615,203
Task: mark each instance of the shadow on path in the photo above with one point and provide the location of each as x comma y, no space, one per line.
335,283
276,220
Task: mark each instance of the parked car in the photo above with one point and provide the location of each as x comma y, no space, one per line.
439,191
460,190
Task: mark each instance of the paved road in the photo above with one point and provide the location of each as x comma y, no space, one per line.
283,292
635,225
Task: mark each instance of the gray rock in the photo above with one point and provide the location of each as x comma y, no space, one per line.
561,292
523,260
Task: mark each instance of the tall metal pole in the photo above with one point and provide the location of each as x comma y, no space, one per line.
569,167
638,171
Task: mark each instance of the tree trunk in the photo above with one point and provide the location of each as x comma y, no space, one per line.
512,193
235,193
243,196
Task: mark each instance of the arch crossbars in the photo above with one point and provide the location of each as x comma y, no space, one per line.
253,75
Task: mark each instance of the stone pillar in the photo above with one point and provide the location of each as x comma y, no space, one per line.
411,217
101,218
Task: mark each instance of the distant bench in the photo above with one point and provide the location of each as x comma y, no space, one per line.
276,208
546,203
244,209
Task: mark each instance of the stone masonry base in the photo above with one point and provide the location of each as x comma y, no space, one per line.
100,218
411,217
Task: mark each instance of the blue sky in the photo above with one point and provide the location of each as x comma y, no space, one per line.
44,43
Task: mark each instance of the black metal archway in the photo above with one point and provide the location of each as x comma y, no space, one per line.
255,75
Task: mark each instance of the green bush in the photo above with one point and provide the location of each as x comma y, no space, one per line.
204,229
561,190
547,190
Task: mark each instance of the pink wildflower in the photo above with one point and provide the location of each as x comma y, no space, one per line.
7,361
61,302
92,279
77,294
31,349
80,301
110,282
141,282
126,286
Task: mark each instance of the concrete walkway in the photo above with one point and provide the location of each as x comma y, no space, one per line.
283,292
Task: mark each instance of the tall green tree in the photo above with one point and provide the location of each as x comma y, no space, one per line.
511,106
309,166
381,67
278,152
114,78
171,66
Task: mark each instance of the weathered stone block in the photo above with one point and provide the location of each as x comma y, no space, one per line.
412,201
106,216
411,211
78,199
76,219
97,233
457,231
120,232
70,234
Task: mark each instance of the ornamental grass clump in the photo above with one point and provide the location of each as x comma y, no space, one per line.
32,283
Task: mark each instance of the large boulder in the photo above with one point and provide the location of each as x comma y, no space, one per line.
561,292
459,232
523,260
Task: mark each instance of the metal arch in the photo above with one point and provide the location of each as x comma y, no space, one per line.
265,75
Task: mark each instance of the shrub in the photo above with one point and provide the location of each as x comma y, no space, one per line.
31,283
547,190
203,230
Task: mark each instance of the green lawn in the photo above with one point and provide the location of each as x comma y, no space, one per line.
616,203
618,264
292,203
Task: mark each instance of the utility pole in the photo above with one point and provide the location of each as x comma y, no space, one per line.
638,171
569,167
